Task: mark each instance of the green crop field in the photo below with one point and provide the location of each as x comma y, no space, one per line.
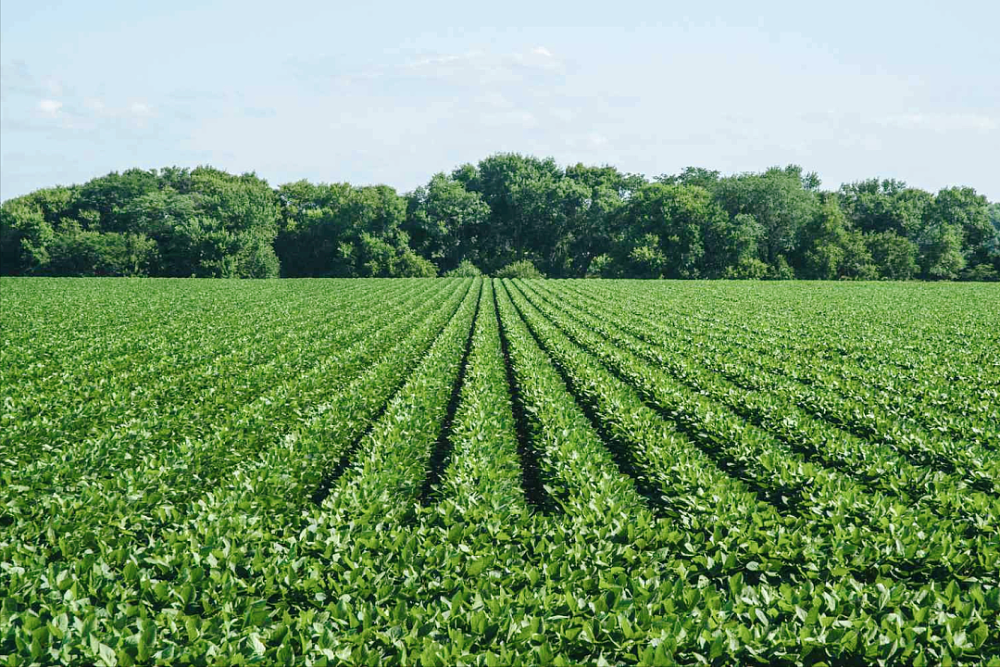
477,472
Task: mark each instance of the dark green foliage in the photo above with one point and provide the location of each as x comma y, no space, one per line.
832,249
894,255
779,201
573,222
175,222
444,220
981,273
90,253
875,206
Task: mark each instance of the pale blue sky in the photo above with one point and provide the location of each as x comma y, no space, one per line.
394,92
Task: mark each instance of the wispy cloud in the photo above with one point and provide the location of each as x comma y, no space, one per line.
16,79
477,65
41,102
49,108
943,122
437,61
140,109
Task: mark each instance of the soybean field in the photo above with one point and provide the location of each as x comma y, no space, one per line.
484,472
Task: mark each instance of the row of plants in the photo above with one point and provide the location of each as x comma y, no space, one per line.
476,472
771,403
943,376
175,375
860,413
782,548
916,543
147,546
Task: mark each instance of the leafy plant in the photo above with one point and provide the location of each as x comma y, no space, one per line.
484,472
519,269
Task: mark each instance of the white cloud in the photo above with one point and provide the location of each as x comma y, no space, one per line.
538,58
475,65
140,109
432,61
49,107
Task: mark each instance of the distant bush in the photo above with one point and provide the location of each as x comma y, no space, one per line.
258,261
88,253
601,266
981,272
748,268
464,270
782,270
520,269
412,265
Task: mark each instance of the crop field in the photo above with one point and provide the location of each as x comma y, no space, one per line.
485,472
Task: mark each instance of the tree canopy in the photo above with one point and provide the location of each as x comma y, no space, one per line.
509,213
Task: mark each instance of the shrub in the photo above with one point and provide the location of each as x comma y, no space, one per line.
782,270
464,270
601,266
748,268
412,265
520,269
981,273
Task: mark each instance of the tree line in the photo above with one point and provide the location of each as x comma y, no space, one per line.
509,214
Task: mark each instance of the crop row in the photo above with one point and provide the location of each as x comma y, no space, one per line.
813,354
485,473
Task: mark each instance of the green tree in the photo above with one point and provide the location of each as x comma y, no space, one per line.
705,178
645,259
875,206
733,247
340,231
894,256
778,199
313,228
24,237
993,246
90,253
411,265
593,220
526,197
941,252
106,200
668,225
968,211
829,249
444,221
981,273
747,268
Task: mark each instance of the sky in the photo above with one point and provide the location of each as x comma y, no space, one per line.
393,92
